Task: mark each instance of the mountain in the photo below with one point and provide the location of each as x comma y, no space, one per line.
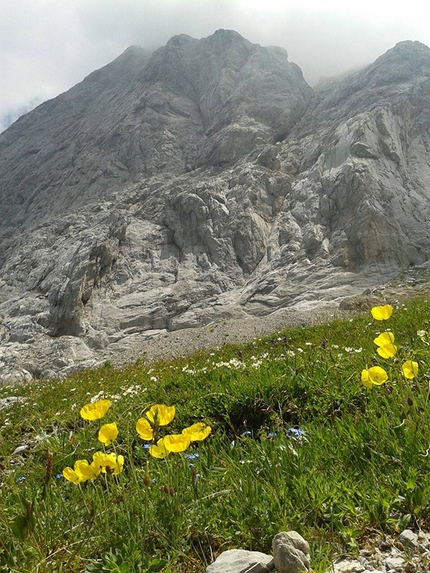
204,181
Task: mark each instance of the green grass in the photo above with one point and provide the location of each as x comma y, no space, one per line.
360,467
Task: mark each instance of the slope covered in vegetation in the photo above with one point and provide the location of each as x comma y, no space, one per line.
305,435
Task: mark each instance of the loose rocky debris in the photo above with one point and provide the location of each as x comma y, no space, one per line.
408,553
10,401
67,354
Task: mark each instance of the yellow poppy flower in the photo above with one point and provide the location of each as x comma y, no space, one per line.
71,475
387,351
159,451
108,433
108,463
410,369
382,312
374,376
160,414
113,464
385,343
95,410
86,471
144,429
197,432
99,459
176,442
384,338
377,375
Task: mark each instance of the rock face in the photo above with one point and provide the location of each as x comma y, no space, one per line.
203,181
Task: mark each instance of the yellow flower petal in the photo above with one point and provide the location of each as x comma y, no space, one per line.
365,379
98,459
197,432
382,312
387,351
71,475
160,414
119,465
384,338
86,471
108,433
95,410
159,451
144,429
176,442
410,369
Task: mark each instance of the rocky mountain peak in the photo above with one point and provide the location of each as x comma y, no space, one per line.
140,115
408,52
225,37
404,63
206,180
125,67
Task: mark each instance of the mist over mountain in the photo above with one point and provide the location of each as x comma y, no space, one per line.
206,180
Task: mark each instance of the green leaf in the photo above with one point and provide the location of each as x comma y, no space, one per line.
156,565
20,527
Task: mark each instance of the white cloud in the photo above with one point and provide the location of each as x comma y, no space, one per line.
47,46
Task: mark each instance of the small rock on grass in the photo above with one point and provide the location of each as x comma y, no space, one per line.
240,560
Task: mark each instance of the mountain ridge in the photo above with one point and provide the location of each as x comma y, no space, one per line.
203,181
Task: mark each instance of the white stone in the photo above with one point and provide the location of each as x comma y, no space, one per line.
395,563
348,566
241,561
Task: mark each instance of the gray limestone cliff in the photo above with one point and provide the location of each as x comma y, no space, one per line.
202,181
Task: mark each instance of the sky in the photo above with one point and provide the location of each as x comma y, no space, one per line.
47,46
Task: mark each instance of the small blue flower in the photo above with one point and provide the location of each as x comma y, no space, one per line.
146,446
21,479
296,433
272,435
192,456
59,476
247,433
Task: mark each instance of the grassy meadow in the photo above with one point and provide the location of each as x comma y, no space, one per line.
300,439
